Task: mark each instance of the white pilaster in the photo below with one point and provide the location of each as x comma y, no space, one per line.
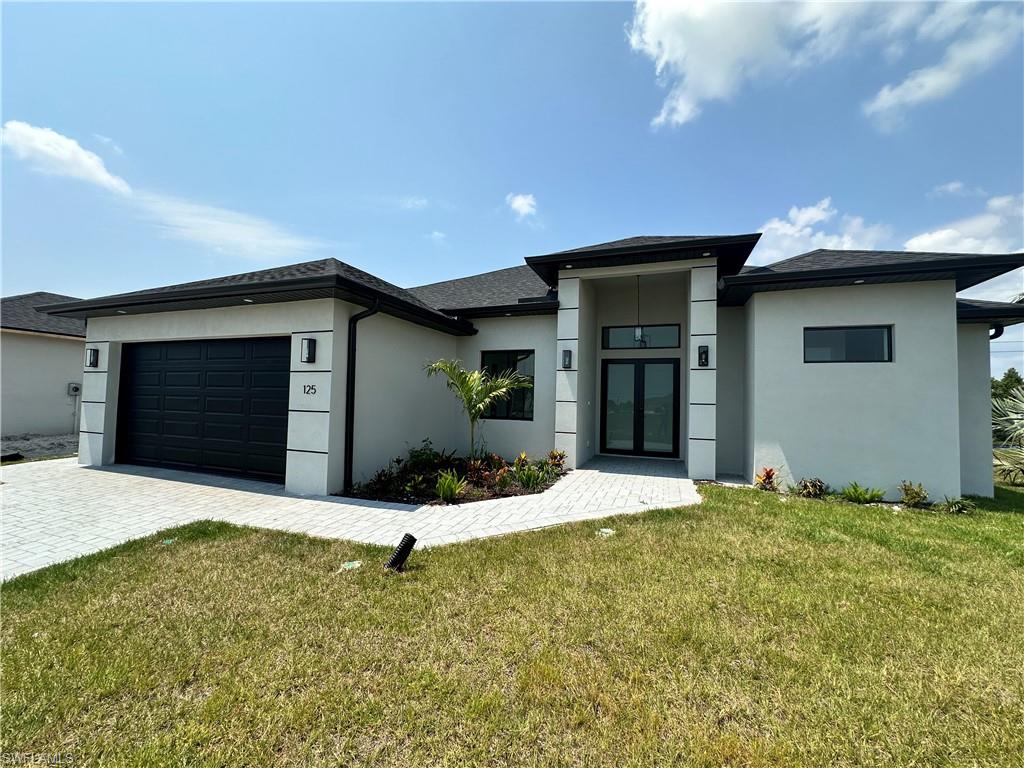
702,389
566,385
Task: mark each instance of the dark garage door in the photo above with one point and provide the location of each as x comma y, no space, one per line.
213,406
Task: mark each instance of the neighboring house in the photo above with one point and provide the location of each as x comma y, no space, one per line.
846,365
40,358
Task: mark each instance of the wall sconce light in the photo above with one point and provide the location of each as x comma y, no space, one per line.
567,358
92,358
307,353
702,356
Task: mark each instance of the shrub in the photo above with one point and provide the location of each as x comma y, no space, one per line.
913,495
810,488
557,460
767,481
449,485
957,506
859,495
528,476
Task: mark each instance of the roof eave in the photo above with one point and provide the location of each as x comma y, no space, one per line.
331,286
506,310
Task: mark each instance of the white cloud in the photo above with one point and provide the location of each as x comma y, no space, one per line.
438,238
997,229
805,229
223,230
52,153
707,51
956,189
219,229
522,205
988,36
413,203
114,146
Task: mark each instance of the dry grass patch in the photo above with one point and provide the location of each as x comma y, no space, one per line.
747,631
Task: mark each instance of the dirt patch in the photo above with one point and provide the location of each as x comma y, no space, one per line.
38,446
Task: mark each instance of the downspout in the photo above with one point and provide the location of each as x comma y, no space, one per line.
350,390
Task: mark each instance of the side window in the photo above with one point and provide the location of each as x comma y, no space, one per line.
848,344
519,405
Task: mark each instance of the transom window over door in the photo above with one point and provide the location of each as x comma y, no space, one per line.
640,337
518,406
848,344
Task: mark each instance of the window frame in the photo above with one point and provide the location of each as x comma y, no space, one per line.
606,328
888,328
533,379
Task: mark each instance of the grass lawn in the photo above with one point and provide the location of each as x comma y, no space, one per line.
747,630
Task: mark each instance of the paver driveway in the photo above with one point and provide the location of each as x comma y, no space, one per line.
57,510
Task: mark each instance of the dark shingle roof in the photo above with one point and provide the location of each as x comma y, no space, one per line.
638,242
981,311
307,280
19,313
491,289
830,259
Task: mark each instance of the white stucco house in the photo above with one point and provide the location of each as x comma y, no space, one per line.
846,365
40,366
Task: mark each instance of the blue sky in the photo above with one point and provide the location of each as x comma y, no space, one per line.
152,144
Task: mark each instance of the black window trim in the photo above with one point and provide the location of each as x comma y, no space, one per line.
887,328
677,326
534,378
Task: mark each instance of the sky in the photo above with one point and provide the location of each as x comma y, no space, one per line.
152,144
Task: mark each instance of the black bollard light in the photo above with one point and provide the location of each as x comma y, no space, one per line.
397,560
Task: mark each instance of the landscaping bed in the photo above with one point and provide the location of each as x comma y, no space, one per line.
429,476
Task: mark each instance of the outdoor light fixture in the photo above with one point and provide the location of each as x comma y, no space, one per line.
567,358
307,353
702,356
397,560
92,358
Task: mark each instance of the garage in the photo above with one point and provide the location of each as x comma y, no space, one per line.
218,406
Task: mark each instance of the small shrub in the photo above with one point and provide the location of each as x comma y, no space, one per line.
503,478
528,476
767,481
521,461
449,485
957,506
810,488
912,495
476,472
859,495
557,460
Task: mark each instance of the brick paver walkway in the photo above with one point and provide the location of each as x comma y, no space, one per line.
57,510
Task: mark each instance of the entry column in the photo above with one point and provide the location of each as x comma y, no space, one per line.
567,376
702,373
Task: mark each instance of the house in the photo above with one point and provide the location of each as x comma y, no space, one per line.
847,365
40,366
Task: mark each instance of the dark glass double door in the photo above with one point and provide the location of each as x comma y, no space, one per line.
640,407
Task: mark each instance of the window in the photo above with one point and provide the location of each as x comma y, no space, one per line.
850,344
518,405
650,337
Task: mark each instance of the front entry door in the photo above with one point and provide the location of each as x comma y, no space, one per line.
640,407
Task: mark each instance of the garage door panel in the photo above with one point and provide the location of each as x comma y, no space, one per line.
181,403
217,406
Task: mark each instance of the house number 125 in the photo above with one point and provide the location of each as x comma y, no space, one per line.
309,389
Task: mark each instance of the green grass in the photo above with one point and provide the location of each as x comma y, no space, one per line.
745,631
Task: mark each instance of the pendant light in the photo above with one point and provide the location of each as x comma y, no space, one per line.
638,330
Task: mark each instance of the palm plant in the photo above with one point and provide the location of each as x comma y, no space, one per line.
1008,430
477,390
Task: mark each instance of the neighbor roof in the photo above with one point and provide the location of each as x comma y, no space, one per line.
730,250
991,312
821,268
516,290
324,278
20,313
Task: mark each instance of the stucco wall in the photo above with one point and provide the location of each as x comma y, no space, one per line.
397,406
975,391
504,437
731,391
36,370
874,423
588,395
